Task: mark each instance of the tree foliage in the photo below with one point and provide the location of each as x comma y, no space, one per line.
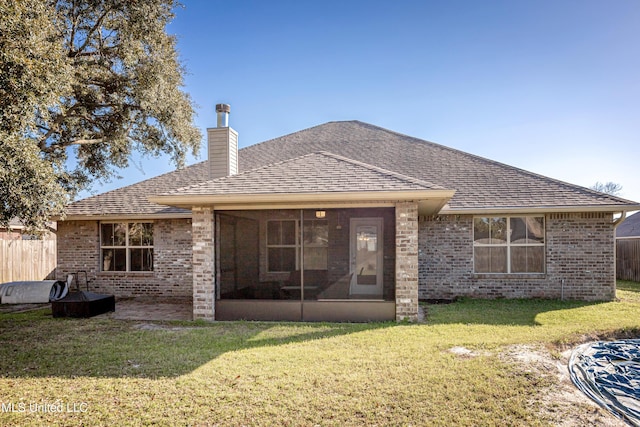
84,84
611,188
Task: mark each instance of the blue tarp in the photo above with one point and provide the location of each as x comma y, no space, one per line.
609,373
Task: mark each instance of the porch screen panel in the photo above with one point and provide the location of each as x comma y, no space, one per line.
237,268
288,255
316,242
314,249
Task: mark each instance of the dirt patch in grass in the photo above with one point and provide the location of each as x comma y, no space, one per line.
21,308
160,327
561,404
466,353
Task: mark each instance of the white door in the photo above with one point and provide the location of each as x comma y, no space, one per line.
366,256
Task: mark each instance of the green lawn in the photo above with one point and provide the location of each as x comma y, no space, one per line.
246,373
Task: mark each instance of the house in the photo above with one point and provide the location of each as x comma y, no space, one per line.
628,249
13,232
630,228
342,221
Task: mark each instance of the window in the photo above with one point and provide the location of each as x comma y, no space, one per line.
316,244
126,246
283,245
508,244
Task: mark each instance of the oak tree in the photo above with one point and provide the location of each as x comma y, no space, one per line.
83,85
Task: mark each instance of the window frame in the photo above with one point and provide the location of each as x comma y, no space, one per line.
298,243
295,245
509,244
127,247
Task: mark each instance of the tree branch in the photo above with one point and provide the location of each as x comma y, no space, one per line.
90,34
85,141
42,143
102,50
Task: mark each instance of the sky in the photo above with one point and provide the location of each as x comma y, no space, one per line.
552,87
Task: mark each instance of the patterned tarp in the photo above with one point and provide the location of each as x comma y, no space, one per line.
609,373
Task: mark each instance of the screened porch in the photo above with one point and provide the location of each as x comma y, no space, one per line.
305,264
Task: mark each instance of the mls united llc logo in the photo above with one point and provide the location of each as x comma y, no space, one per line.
44,407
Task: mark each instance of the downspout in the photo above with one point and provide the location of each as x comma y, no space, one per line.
617,222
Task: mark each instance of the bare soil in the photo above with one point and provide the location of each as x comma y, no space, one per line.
563,404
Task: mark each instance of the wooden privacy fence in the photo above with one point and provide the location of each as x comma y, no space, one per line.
628,259
27,260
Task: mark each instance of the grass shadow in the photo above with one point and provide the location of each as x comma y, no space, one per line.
520,312
33,344
627,285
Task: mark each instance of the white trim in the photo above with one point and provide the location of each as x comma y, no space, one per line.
539,209
279,198
296,206
125,217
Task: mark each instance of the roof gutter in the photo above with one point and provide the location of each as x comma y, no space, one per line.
538,209
122,216
187,201
618,221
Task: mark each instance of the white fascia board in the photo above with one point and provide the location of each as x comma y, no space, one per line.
113,217
539,209
295,198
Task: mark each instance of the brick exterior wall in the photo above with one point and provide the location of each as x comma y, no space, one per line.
433,260
579,251
407,261
78,249
203,263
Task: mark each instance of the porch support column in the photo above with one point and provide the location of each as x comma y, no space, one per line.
407,261
202,234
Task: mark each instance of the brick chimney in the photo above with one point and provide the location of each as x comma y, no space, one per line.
222,145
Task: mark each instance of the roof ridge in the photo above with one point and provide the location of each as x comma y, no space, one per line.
258,144
382,170
334,156
206,181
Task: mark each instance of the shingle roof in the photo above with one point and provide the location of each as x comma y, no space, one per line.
133,199
479,183
630,227
320,172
